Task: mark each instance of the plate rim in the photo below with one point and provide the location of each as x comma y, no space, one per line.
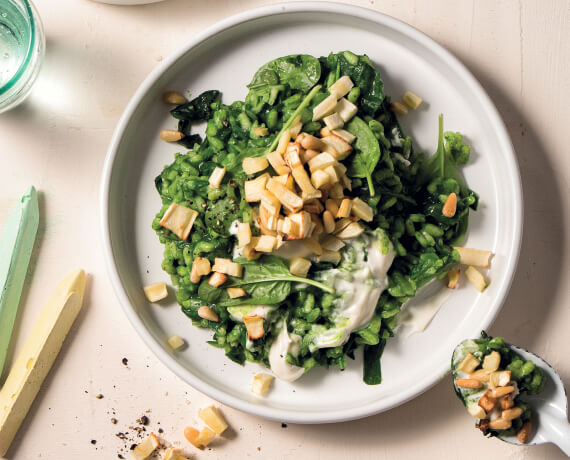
272,413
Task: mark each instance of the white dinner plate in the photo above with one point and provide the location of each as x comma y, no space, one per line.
224,57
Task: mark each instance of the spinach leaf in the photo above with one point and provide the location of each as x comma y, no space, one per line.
198,108
372,369
367,151
298,71
220,214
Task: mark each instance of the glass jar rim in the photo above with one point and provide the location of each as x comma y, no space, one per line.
30,51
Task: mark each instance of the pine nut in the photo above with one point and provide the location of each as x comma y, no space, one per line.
524,433
398,108
500,424
174,98
328,221
170,135
450,205
207,313
468,383
511,414
502,391
313,143
507,402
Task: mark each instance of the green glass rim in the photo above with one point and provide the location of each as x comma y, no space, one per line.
10,83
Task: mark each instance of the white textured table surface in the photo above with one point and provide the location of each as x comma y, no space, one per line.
96,57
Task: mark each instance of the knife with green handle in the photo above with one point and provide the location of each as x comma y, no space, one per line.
16,245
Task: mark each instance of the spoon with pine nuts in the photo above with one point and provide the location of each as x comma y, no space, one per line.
513,394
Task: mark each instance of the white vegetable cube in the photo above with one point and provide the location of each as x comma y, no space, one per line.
341,147
217,279
412,100
156,292
477,411
344,208
341,87
352,230
289,199
146,447
475,277
261,383
321,161
175,342
468,364
211,416
326,107
302,179
227,266
332,173
235,293
179,220
344,134
362,209
254,326
216,177
252,165
492,361
299,266
277,162
296,127
205,437
330,256
292,155
474,257
499,379
303,221
266,243
283,141
254,188
337,191
270,202
333,121
320,178
244,234
346,109
453,278
286,180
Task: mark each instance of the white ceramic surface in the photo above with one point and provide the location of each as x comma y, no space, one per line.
225,57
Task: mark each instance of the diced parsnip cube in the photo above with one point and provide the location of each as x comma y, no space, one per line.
252,165
271,202
345,135
320,178
146,447
267,221
303,221
266,243
346,109
326,107
341,224
346,182
217,279
332,243
261,383
179,220
361,209
254,188
321,161
191,434
156,292
340,169
296,127
331,206
412,100
336,191
227,266
487,401
311,142
318,225
206,312
342,148
302,179
244,234
283,141
313,206
249,251
200,267
216,177
260,131
329,256
308,155
289,199
398,108
292,155
313,245
468,364
277,163
173,454
352,230
212,417
453,278
499,379
332,173
492,361
254,326
234,293
291,229
344,208
311,195
341,87
175,342
299,266
286,180
205,437
477,412
474,257
333,121
475,277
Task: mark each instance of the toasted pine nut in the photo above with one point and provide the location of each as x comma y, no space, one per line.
482,375
170,135
331,206
300,137
507,402
398,108
174,98
511,414
207,313
502,391
524,433
450,205
194,275
500,424
313,143
328,221
468,383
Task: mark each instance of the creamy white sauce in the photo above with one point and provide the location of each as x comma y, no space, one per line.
285,343
237,313
396,140
234,227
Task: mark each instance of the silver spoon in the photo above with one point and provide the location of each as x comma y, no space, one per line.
550,409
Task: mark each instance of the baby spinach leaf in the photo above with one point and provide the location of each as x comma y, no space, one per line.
367,151
198,108
298,71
